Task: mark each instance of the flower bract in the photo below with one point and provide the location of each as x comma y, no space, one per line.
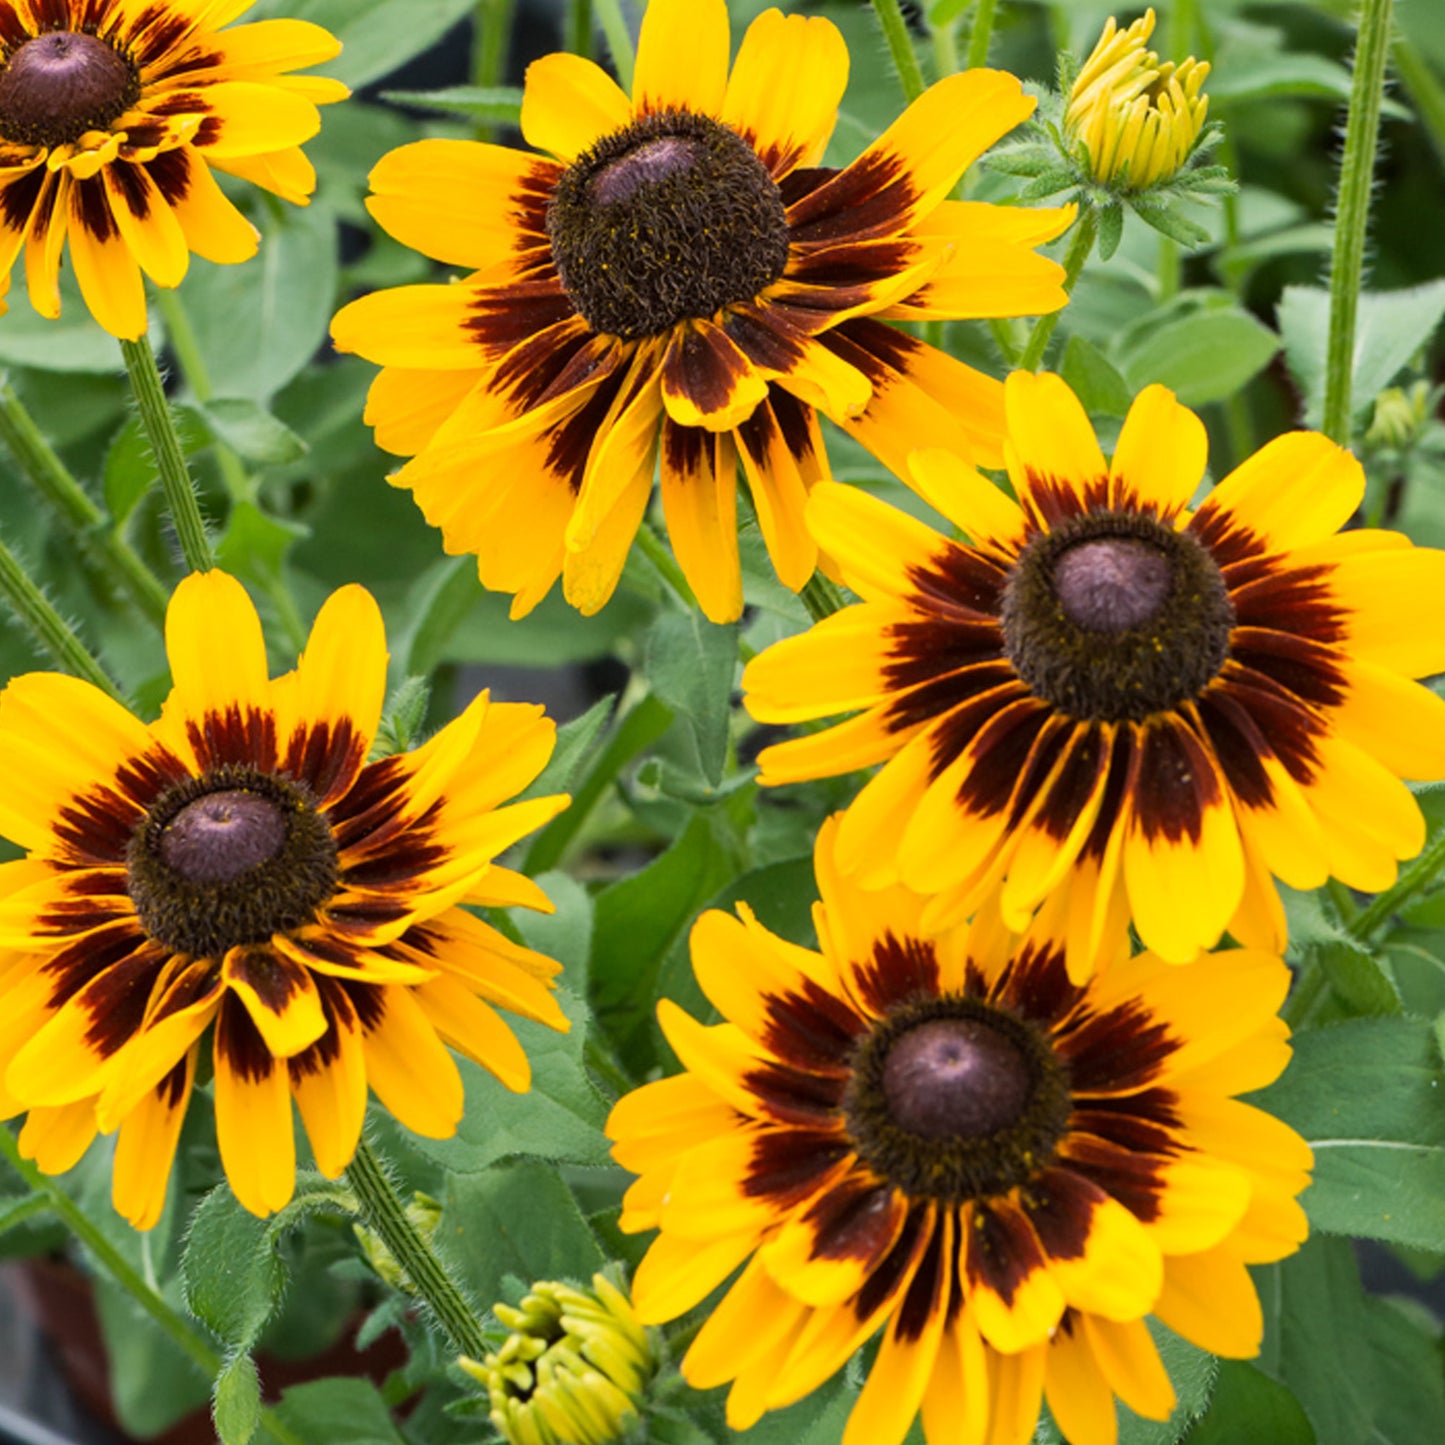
1105,705
113,115
680,283
934,1137
239,873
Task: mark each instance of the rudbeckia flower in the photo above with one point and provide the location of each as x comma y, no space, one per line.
1104,705
936,1137
240,864
113,113
680,279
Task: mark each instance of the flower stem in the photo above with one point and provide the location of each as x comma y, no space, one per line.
1419,875
1085,230
1352,213
821,597
385,1213
619,40
577,31
489,50
160,428
900,47
69,500
981,34
51,630
655,550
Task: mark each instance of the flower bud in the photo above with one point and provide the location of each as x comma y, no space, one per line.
1138,118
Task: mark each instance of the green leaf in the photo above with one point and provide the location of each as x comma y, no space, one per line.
237,1407
255,544
1252,72
73,342
691,663
1203,357
1358,978
564,934
472,102
251,431
1192,1372
258,325
378,37
574,743
232,1272
1390,328
1094,379
517,1219
1249,1408
639,919
559,1118
1361,1370
1111,229
339,1412
129,471
1367,1095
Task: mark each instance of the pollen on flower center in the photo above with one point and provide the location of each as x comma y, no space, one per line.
955,1077
674,217
230,858
1115,616
59,85
954,1099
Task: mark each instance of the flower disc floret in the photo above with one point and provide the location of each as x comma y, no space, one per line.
59,85
669,220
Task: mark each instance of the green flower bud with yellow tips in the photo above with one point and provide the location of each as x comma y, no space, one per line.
1138,118
573,1370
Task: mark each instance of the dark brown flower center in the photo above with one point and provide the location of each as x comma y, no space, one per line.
954,1078
1115,616
954,1099
221,835
230,858
61,84
672,218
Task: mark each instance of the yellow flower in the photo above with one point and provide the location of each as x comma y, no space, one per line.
113,113
935,1136
574,1369
680,279
1138,118
239,863
1104,705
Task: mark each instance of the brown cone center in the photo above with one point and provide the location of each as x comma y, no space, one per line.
222,835
955,1078
59,85
1112,584
651,162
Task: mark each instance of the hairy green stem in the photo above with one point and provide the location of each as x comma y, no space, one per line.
656,551
1086,229
50,629
1414,879
619,40
160,428
946,58
386,1214
900,47
68,499
182,1333
1352,213
489,50
981,34
577,28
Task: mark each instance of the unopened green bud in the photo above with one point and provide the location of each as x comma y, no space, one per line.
1400,416
574,1369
